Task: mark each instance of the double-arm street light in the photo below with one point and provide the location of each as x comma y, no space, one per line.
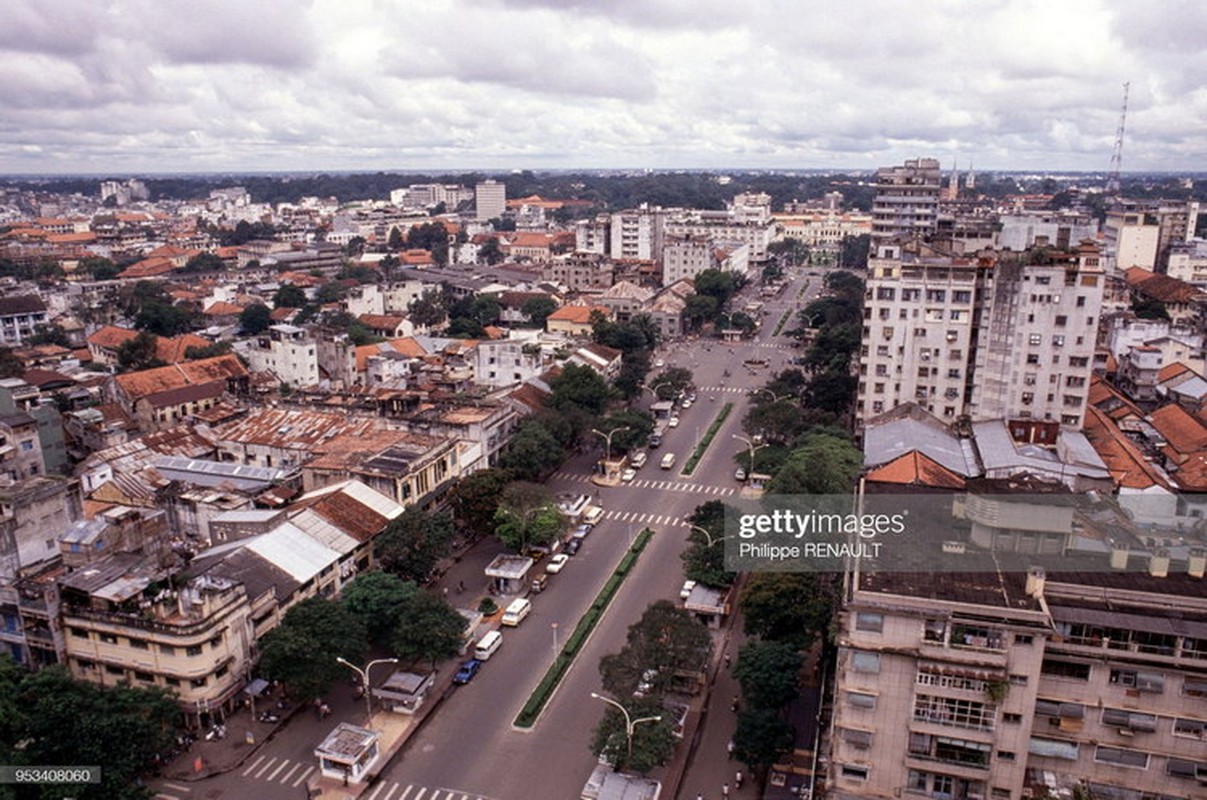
754,448
364,682
629,722
775,398
707,534
608,439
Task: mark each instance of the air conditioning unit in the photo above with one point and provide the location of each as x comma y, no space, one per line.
1126,732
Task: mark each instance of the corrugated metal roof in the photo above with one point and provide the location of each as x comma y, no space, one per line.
289,548
323,530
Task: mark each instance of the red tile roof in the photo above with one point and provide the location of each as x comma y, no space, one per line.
916,469
1127,464
146,382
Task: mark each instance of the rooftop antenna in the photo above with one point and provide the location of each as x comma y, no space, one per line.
1112,182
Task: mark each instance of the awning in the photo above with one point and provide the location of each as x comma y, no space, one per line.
256,687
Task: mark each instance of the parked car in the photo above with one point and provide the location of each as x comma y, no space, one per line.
739,474
660,363
686,591
637,460
539,583
467,672
628,475
556,563
572,546
687,402
673,422
581,532
655,440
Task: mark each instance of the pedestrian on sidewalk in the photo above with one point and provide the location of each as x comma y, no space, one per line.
460,587
737,780
724,791
729,749
727,659
734,705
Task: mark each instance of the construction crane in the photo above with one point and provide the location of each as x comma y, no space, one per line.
1112,181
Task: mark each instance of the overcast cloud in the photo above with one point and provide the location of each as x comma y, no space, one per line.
142,86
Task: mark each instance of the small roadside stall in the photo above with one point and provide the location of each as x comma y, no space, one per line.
404,692
509,574
348,752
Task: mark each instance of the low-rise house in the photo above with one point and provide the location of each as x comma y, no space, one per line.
410,468
166,396
20,317
290,353
601,358
575,320
20,448
106,341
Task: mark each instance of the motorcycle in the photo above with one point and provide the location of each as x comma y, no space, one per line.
268,716
216,733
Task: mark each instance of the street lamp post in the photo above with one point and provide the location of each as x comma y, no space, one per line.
364,680
775,398
629,722
554,626
707,534
608,440
754,448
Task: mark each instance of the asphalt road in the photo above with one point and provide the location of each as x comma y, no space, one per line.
469,747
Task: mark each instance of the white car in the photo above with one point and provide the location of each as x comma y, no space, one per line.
660,363
628,475
686,591
556,563
673,422
687,403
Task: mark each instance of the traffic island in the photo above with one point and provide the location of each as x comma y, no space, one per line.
553,676
702,447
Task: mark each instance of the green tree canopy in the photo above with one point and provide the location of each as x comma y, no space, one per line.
527,515
490,252
533,452
769,673
653,741
762,737
255,319
475,499
428,629
101,269
377,599
204,262
791,607
822,464
414,542
141,352
845,285
665,642
579,386
289,296
538,309
428,309
640,425
64,722
301,652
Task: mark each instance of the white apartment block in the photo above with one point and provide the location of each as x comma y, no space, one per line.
289,353
1188,262
907,199
636,234
1007,686
1132,238
1063,229
592,235
722,225
490,200
685,257
987,337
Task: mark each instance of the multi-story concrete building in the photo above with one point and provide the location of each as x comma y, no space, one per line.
490,199
1015,685
907,199
1187,261
685,257
20,317
1132,238
991,337
593,235
1026,229
637,233
288,352
823,228
755,231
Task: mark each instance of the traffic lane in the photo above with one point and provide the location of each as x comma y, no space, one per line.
469,742
571,717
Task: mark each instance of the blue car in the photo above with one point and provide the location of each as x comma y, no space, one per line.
467,672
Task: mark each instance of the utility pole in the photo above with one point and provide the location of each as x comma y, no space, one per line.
1112,182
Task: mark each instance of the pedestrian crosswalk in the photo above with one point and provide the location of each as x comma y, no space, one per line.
639,518
661,485
724,389
278,770
398,791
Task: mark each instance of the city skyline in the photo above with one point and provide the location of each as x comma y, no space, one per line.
139,87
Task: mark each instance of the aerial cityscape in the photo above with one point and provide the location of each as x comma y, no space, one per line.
517,400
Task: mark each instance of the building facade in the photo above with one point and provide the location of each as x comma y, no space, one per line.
907,199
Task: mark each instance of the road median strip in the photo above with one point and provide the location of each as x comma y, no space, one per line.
702,447
783,321
553,676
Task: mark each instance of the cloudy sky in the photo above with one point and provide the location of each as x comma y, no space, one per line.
141,86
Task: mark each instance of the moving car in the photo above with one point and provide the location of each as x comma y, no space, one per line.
637,460
668,461
655,440
467,672
556,563
628,475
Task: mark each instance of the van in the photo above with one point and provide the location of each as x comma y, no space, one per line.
668,461
516,612
638,461
487,645
592,515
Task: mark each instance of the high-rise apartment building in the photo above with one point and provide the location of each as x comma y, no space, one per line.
993,336
907,199
1005,686
490,199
